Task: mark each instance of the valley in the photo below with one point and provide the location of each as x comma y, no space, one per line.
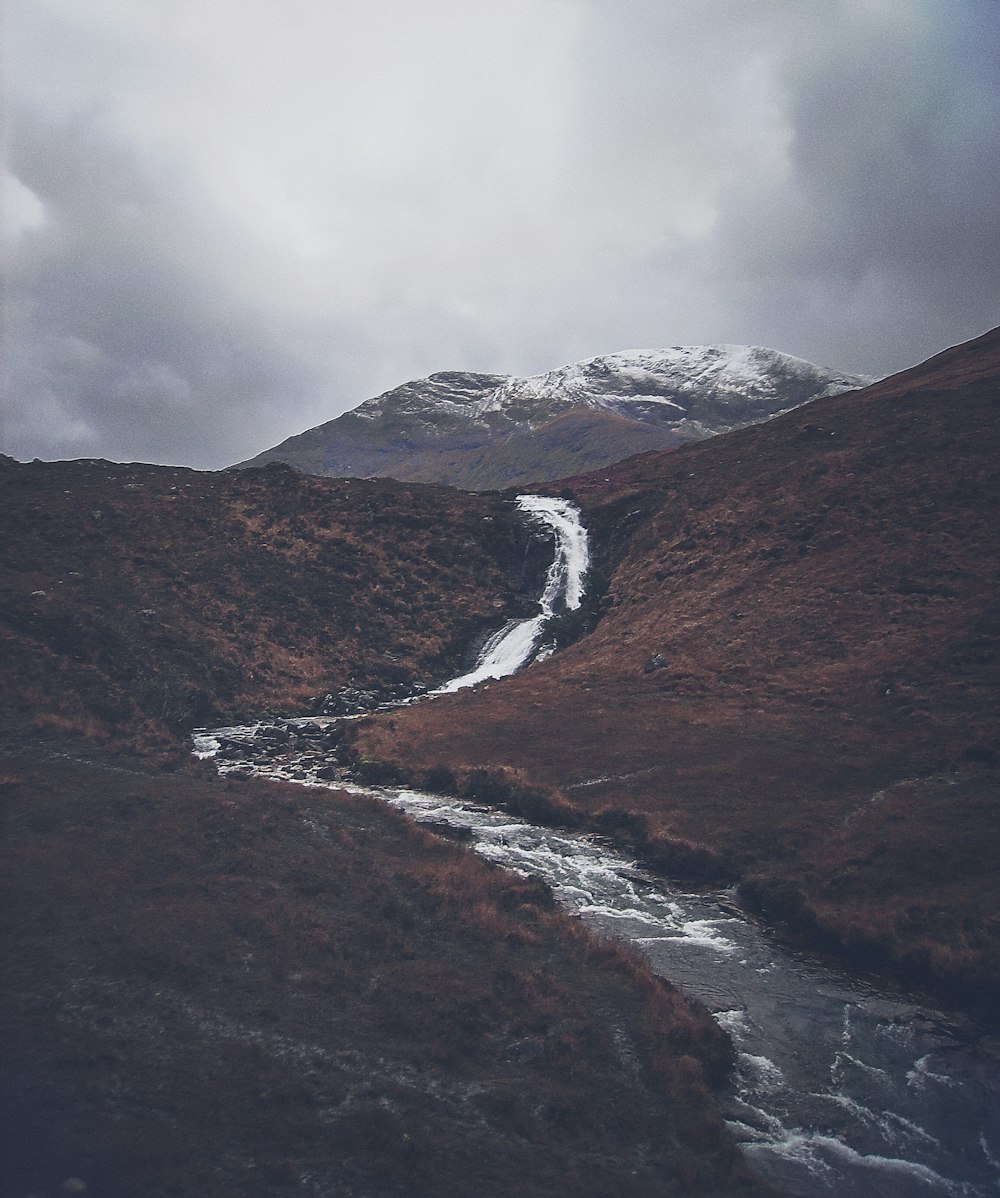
793,681
782,685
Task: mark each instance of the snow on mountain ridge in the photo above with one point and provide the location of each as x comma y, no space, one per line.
489,431
679,378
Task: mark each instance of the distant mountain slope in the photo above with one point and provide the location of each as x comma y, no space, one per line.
487,431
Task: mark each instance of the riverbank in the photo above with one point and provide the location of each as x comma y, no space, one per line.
840,1083
853,859
240,988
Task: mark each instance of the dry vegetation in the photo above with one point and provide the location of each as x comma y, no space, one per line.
229,988
796,675
137,601
240,989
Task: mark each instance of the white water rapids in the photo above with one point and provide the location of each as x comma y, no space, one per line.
842,1089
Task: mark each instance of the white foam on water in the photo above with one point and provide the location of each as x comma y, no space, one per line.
764,1072
894,1128
844,1058
918,1077
514,645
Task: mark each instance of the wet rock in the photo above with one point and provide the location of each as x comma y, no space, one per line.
441,827
272,733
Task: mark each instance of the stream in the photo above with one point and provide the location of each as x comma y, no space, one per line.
516,644
842,1087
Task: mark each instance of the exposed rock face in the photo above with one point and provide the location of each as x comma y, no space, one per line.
483,431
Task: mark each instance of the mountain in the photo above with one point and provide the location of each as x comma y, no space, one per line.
789,687
487,431
793,681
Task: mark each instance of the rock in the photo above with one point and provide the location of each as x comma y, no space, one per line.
441,827
273,734
655,662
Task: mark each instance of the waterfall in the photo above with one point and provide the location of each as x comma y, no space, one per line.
513,647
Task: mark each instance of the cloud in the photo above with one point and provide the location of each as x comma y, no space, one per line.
229,221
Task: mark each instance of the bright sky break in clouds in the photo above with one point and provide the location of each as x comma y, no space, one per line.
225,222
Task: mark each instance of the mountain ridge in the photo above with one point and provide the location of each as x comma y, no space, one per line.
488,431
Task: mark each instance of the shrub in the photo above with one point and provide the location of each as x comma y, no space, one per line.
682,859
441,780
507,789
622,824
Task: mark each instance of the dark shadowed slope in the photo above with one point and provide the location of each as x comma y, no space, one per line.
243,990
228,988
797,668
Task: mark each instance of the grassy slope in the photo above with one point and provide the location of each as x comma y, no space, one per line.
797,668
138,599
242,989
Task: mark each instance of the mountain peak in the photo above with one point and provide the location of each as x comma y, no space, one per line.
483,431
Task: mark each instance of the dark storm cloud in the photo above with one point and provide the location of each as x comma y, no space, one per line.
226,222
123,343
883,244
878,242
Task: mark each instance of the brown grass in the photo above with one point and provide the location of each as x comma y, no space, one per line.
134,597
801,616
222,987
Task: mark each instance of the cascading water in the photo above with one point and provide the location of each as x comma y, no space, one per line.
510,649
842,1090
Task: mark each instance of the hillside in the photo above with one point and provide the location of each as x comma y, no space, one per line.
792,688
136,601
484,431
222,989
226,987
794,683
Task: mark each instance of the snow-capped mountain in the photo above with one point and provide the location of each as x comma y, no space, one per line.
481,431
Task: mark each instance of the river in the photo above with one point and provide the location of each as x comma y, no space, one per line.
842,1087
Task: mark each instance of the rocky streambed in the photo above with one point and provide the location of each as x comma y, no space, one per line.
842,1087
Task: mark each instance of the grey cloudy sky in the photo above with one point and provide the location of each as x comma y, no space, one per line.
230,220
